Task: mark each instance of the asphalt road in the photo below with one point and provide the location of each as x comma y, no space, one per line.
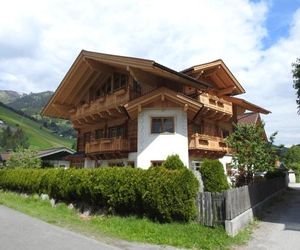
21,232
280,225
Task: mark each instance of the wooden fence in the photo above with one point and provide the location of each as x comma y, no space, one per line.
215,208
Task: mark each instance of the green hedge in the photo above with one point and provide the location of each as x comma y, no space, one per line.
158,193
214,178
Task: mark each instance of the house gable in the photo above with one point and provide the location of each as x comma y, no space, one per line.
218,75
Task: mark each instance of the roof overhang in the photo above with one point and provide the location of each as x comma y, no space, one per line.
247,105
91,66
217,73
160,97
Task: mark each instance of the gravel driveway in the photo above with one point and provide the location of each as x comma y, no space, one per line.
280,226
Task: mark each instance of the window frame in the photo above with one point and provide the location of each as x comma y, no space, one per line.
162,125
100,130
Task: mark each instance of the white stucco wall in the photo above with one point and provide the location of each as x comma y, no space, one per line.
224,160
152,147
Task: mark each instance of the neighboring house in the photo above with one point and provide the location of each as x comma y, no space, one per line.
251,118
53,157
131,111
4,157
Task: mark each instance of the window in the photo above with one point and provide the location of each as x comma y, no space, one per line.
120,80
118,131
162,125
225,133
86,138
197,128
99,133
156,163
116,164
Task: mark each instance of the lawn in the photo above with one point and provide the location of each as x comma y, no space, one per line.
189,235
38,136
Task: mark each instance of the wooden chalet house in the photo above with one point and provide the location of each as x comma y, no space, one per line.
131,111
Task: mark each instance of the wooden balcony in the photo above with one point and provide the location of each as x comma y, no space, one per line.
214,107
102,108
209,143
107,145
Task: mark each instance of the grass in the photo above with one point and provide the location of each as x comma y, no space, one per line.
188,235
38,136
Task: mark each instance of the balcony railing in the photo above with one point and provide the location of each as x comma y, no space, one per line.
215,103
206,142
107,145
102,104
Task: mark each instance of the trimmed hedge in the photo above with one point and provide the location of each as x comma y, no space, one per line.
214,178
158,193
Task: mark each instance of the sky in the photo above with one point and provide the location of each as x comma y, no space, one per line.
258,41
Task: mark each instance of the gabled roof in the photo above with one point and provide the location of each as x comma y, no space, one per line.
252,118
218,73
52,151
248,118
90,67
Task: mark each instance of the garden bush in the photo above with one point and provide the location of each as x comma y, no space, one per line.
160,194
213,176
173,162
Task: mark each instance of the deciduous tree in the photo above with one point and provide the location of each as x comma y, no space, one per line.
252,152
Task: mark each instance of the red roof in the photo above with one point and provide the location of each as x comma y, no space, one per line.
248,118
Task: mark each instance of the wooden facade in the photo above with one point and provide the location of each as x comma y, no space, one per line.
103,94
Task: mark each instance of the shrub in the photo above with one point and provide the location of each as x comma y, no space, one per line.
173,162
24,158
160,194
214,178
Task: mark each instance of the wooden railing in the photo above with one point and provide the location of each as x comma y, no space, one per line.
206,142
215,103
101,104
106,145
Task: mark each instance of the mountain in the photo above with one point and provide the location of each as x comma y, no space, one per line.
32,103
7,96
38,136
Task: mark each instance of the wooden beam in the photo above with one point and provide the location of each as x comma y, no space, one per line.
186,107
226,91
98,66
79,94
81,77
62,108
142,76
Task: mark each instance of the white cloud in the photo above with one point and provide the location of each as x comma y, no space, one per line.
40,39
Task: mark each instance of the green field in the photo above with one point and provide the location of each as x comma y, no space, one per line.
38,136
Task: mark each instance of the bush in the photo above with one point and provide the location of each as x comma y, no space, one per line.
24,158
173,162
214,178
159,194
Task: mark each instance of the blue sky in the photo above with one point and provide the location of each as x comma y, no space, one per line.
278,20
258,41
